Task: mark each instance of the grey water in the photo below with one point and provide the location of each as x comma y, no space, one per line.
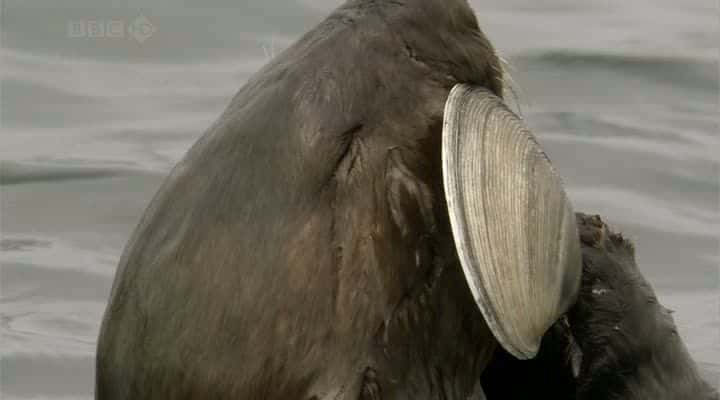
99,98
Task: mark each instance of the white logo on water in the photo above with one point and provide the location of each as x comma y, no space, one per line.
140,29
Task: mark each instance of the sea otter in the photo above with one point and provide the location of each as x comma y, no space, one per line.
367,219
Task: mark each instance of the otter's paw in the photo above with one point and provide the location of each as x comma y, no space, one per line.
615,300
595,233
629,343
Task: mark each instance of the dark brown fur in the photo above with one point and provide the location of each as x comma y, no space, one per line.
302,247
631,347
628,342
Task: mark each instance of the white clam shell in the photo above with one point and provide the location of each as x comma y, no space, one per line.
513,225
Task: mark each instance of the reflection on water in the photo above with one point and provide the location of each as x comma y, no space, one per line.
626,109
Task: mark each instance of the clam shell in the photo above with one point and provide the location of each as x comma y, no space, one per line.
513,225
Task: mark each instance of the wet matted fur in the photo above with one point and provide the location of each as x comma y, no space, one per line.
617,342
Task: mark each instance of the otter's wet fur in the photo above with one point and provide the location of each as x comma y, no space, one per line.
617,343
302,248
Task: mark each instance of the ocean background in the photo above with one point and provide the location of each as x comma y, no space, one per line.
100,98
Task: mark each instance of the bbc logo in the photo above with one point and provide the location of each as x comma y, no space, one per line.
140,29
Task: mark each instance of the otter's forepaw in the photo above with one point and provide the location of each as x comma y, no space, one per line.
594,232
591,229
